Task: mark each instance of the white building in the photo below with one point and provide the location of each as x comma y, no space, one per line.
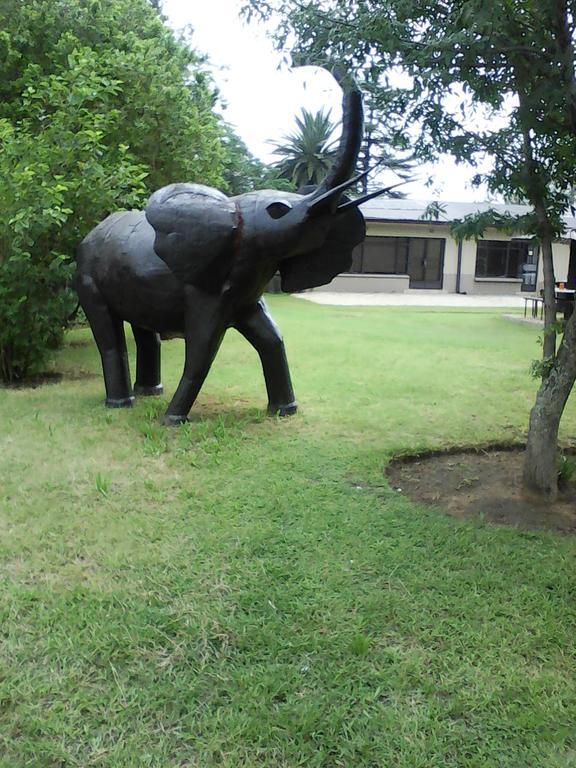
404,252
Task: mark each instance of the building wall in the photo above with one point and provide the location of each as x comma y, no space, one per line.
561,255
469,283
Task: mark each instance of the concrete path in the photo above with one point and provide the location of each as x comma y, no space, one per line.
415,299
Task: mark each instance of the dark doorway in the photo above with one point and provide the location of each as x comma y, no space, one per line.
425,262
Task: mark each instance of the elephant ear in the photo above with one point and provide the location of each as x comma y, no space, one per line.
195,228
319,267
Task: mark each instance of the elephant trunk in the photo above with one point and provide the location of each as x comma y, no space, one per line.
351,138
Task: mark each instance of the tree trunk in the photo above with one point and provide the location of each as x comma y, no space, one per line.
549,343
540,473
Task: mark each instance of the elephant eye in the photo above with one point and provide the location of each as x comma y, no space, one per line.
278,209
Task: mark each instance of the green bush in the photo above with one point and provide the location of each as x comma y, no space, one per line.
56,183
99,103
34,307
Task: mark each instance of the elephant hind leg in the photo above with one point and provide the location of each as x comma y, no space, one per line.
147,362
108,332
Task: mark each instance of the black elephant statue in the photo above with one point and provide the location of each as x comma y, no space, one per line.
196,262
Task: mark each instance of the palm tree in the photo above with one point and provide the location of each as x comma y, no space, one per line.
308,152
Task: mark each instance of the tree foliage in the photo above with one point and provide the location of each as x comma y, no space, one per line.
448,77
242,171
99,103
476,79
165,100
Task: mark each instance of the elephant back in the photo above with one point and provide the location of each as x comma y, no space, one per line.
194,232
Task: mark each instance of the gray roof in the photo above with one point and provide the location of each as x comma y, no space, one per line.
404,210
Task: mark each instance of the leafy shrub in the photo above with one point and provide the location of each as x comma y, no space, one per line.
566,470
99,103
57,182
33,312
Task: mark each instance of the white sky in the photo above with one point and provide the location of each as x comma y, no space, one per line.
263,95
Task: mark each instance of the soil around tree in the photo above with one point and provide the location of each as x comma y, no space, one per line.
481,483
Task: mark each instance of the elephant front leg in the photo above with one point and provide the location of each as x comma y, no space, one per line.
205,328
257,327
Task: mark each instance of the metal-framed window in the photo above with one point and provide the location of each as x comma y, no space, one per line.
422,258
502,258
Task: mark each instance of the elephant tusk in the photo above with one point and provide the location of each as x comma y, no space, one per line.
336,191
364,198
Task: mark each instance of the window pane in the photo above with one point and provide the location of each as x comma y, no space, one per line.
400,256
515,260
380,255
416,259
435,248
499,258
496,261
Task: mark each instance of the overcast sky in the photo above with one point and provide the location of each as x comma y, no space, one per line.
263,95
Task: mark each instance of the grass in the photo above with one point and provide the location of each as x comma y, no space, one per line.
249,592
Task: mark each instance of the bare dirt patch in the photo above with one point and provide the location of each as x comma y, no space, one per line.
79,374
75,343
33,382
51,377
481,483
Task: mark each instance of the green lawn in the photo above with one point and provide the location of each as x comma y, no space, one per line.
243,591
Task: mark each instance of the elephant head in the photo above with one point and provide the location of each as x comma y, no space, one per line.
201,234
